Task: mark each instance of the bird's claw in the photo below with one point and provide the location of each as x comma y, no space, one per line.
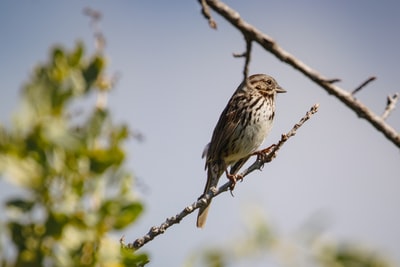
262,154
234,178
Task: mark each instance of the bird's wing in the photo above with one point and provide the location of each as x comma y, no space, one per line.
226,126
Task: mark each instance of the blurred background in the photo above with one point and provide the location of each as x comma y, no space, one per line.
175,77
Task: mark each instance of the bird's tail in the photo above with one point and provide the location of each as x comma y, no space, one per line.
212,181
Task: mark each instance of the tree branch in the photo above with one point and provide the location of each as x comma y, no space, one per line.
370,79
247,59
270,45
246,55
267,156
205,10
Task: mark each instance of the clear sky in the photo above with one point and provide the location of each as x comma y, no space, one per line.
176,77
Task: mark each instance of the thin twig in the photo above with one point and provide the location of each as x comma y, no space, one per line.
239,55
206,198
246,54
270,45
390,105
95,18
370,79
259,163
247,58
205,10
335,80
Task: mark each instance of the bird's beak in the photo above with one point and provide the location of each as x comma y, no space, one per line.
280,90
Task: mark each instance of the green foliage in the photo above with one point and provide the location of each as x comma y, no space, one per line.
67,160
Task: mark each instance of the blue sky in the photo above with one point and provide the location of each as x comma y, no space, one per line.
176,77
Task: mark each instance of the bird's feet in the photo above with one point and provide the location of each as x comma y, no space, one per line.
261,154
233,178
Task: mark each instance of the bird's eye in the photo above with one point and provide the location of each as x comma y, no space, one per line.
269,81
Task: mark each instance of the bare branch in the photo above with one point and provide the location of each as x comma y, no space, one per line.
239,55
370,79
205,10
390,105
270,45
247,59
246,55
270,153
335,80
268,156
95,18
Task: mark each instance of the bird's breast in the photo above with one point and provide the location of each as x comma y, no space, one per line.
251,132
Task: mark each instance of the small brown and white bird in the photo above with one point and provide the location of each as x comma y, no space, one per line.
241,129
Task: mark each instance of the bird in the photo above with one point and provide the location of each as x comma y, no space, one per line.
241,129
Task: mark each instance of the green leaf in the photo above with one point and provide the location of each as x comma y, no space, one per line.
55,224
128,214
102,159
17,234
95,123
57,55
74,58
20,204
119,134
133,259
119,215
93,70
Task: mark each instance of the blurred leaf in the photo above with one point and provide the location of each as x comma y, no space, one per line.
95,123
24,172
133,259
119,134
93,70
102,159
118,215
128,214
74,58
20,204
265,245
55,224
56,133
57,54
349,255
76,83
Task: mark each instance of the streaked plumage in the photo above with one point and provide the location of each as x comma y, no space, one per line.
240,130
